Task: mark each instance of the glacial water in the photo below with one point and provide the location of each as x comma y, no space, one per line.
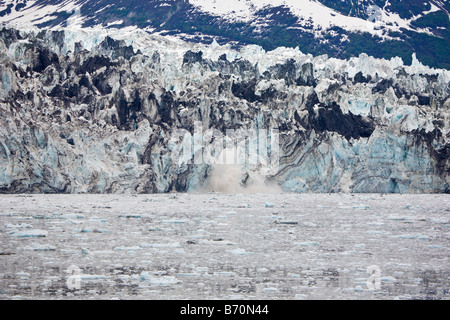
224,246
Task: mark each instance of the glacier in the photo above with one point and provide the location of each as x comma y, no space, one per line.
93,111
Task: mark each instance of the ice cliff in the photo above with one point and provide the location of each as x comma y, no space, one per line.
93,111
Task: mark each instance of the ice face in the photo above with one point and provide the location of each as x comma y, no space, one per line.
98,109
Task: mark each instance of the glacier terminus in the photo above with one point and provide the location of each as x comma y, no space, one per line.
94,111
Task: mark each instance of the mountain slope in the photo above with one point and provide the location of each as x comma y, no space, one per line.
341,29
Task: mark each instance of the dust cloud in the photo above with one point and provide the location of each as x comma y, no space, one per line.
234,179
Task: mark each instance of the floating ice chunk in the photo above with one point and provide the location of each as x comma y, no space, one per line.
132,248
18,226
96,219
124,277
360,281
158,280
218,242
208,221
396,217
287,222
436,247
361,207
269,204
308,244
37,247
93,277
375,223
155,229
412,236
23,274
175,221
192,274
225,273
442,220
7,214
71,221
161,245
95,230
72,216
374,232
309,224
388,279
36,233
270,290
344,207
130,216
240,252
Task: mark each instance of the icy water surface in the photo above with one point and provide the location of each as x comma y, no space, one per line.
222,246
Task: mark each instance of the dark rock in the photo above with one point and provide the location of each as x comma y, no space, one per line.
9,36
94,63
70,141
245,90
306,77
165,107
400,92
359,78
57,92
430,77
84,82
223,57
117,48
192,57
331,118
424,100
382,86
43,59
286,71
101,83
440,155
59,38
123,112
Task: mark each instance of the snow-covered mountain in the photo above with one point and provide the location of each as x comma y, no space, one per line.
95,110
341,29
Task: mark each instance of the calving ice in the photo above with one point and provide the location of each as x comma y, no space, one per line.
237,147
194,310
